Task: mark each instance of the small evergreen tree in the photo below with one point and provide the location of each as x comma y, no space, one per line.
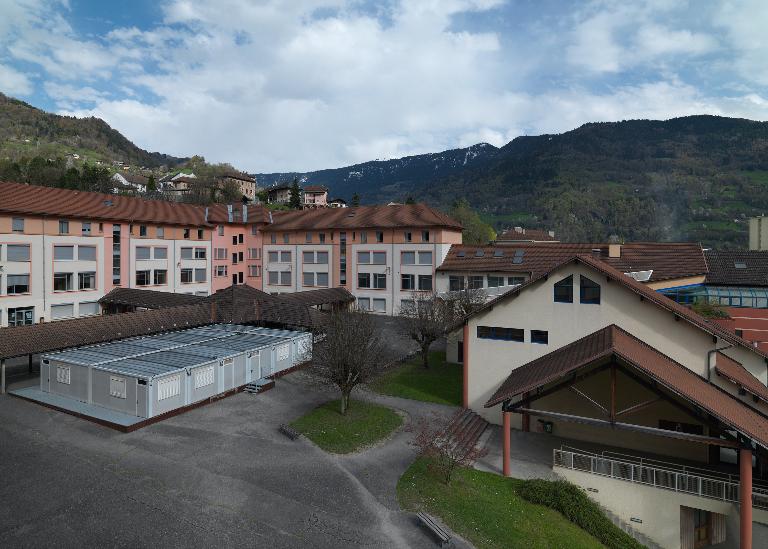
355,199
151,184
410,200
295,201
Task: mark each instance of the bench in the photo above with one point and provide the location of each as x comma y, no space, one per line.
442,536
290,432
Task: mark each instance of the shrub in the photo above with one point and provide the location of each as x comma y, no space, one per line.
573,503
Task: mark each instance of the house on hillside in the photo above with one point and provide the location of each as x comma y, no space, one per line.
658,413
134,181
337,203
315,196
245,183
279,194
519,234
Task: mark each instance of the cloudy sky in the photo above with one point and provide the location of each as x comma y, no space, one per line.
273,85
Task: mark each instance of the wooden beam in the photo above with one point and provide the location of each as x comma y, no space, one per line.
590,400
637,407
701,439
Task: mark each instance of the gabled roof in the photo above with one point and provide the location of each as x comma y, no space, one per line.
614,342
638,288
315,189
667,260
408,215
739,375
322,296
147,299
737,267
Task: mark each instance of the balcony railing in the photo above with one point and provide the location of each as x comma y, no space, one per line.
707,484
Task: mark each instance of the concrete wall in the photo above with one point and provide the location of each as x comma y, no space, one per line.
659,509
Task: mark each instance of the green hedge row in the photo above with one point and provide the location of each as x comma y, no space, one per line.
573,503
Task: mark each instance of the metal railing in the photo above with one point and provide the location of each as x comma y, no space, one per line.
713,486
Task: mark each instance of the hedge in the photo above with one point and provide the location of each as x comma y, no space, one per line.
573,503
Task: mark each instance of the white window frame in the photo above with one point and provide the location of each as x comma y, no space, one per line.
204,376
64,375
117,387
283,352
168,387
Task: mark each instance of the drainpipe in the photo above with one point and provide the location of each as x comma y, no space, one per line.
709,359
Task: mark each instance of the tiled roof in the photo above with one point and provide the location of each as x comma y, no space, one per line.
315,189
409,215
62,334
666,260
239,175
19,198
612,341
737,267
148,299
218,213
135,178
640,289
322,296
738,374
537,235
242,304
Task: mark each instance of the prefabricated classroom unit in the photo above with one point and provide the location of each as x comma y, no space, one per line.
150,376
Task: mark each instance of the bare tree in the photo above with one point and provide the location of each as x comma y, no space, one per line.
444,444
429,316
350,351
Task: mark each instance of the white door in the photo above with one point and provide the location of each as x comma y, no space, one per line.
255,366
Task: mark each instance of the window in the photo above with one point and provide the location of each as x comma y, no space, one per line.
142,230
475,282
160,277
379,236
220,253
321,280
540,336
186,233
564,290
254,253
515,280
200,234
273,238
379,305
142,278
407,236
380,281
143,252
86,253
221,270
89,308
321,258
309,238
169,387
187,253
379,258
254,270
407,282
364,303
63,227
425,236
161,253
308,257
272,278
455,283
200,253
363,237
282,352
321,237
64,375
240,277
17,284
186,276
286,238
504,334
86,281
285,257
201,275
21,316
17,224
63,253
589,291
203,377
408,258
285,278
425,258
160,232
425,283
117,387
273,257
309,279
254,230
18,252
363,280
66,310
62,282
86,229
234,240
495,281
364,258
220,230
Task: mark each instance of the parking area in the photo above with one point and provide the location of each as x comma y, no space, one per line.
218,475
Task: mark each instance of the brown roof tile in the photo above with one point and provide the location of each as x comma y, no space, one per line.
148,299
666,260
525,235
612,341
738,374
737,267
322,296
409,215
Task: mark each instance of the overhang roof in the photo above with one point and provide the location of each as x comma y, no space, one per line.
739,375
148,299
645,293
614,342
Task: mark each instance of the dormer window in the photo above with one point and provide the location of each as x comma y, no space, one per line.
589,291
564,290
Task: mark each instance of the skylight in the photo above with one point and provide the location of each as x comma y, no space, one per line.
740,265
460,253
479,253
498,253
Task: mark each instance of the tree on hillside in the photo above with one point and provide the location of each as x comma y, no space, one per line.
475,230
410,200
295,201
229,192
351,352
355,200
151,184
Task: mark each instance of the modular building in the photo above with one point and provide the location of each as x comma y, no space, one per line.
146,377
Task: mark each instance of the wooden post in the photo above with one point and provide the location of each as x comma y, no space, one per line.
465,368
506,466
745,497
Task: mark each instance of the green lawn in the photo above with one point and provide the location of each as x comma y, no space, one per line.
441,383
363,425
485,509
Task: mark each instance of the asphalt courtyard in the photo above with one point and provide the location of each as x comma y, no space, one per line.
219,475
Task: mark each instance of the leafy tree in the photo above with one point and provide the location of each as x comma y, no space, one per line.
295,200
230,192
355,200
475,230
151,184
71,179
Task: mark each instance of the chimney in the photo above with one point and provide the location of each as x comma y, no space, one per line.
230,215
206,214
614,250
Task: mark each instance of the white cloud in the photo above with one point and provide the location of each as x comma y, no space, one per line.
14,82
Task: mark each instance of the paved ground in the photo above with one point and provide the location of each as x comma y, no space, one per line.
218,475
